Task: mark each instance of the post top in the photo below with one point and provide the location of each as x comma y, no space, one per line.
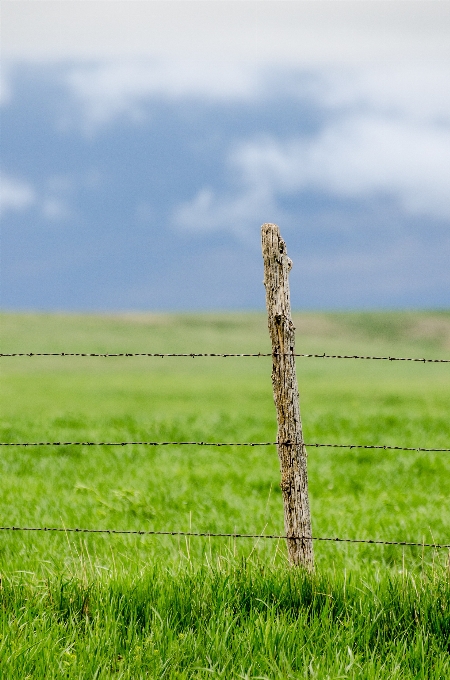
274,244
269,226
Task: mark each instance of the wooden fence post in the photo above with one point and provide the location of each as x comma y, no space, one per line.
291,447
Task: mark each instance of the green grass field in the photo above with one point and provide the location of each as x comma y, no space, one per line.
101,606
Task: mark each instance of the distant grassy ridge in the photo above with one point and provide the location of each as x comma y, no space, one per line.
227,331
116,606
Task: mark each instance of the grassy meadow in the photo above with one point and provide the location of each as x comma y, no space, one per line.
101,606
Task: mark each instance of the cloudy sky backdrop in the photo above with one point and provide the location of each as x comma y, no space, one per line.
145,142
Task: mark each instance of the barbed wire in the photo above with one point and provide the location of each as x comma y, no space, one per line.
194,355
286,443
209,534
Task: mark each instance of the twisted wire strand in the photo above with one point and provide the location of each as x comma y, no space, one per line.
210,534
194,355
286,443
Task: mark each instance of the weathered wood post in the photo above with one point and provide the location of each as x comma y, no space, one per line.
291,447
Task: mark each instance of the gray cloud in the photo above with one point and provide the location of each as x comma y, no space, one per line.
294,33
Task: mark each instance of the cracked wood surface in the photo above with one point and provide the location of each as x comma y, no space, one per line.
291,449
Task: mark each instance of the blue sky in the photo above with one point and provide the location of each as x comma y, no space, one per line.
143,145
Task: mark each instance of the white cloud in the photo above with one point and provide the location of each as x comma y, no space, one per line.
386,132
111,89
209,212
18,195
358,158
15,195
418,90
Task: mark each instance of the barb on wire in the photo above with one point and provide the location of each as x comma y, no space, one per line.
214,354
286,443
224,535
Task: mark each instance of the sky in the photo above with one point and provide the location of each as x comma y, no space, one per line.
143,144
